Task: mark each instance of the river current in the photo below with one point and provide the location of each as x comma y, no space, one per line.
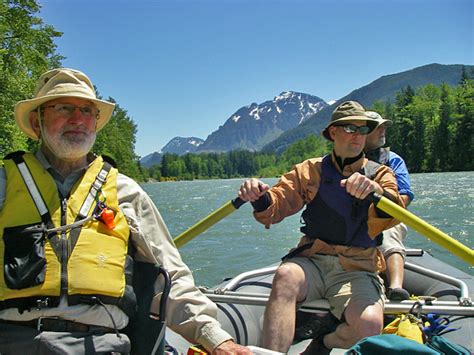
238,243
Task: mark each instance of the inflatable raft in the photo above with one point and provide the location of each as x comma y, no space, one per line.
437,288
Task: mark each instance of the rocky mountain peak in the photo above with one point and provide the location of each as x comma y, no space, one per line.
252,126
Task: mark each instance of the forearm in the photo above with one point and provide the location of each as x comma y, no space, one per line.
290,194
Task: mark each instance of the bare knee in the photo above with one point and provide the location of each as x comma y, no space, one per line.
370,323
364,321
369,328
289,282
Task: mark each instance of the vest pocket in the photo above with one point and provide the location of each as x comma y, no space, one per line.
24,261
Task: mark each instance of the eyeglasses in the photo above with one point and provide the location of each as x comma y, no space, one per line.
352,128
67,110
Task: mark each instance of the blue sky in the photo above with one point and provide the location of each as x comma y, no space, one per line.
182,68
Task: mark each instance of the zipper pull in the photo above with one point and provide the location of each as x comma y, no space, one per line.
64,206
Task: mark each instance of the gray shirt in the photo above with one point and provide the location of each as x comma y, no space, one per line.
189,312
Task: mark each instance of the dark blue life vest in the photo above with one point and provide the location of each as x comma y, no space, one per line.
335,216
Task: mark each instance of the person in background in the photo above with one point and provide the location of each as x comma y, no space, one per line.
67,219
393,238
337,258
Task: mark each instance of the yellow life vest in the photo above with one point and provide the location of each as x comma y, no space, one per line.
86,261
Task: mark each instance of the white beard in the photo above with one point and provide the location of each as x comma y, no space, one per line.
68,148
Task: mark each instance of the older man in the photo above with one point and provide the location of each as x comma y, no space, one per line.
68,221
337,257
392,246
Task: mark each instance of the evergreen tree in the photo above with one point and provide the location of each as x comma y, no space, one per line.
425,108
117,140
27,49
442,146
464,129
402,124
464,76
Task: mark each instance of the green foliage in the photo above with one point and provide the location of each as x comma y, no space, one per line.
117,140
310,147
241,163
210,165
433,127
27,49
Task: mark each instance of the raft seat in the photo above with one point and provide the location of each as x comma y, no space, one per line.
316,306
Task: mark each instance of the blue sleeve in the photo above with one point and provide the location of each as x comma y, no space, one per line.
397,164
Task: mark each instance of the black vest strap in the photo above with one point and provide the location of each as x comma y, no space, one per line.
27,303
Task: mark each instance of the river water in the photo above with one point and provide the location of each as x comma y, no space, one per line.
238,243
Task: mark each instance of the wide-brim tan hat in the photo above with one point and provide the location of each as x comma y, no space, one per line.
380,120
57,83
349,111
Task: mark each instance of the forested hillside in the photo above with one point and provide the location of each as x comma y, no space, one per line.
433,126
432,129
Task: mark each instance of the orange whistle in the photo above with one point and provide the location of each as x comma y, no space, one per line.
107,216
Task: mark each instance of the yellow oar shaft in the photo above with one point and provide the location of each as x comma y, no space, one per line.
207,222
432,233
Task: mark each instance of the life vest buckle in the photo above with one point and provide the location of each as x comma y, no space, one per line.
42,303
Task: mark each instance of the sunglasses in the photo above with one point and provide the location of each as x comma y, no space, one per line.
352,128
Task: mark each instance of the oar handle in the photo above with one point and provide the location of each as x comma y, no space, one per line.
237,202
424,228
374,198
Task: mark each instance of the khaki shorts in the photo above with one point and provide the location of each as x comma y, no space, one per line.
393,239
327,279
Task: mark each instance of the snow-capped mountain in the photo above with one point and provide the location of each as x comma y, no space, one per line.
178,145
253,126
182,145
